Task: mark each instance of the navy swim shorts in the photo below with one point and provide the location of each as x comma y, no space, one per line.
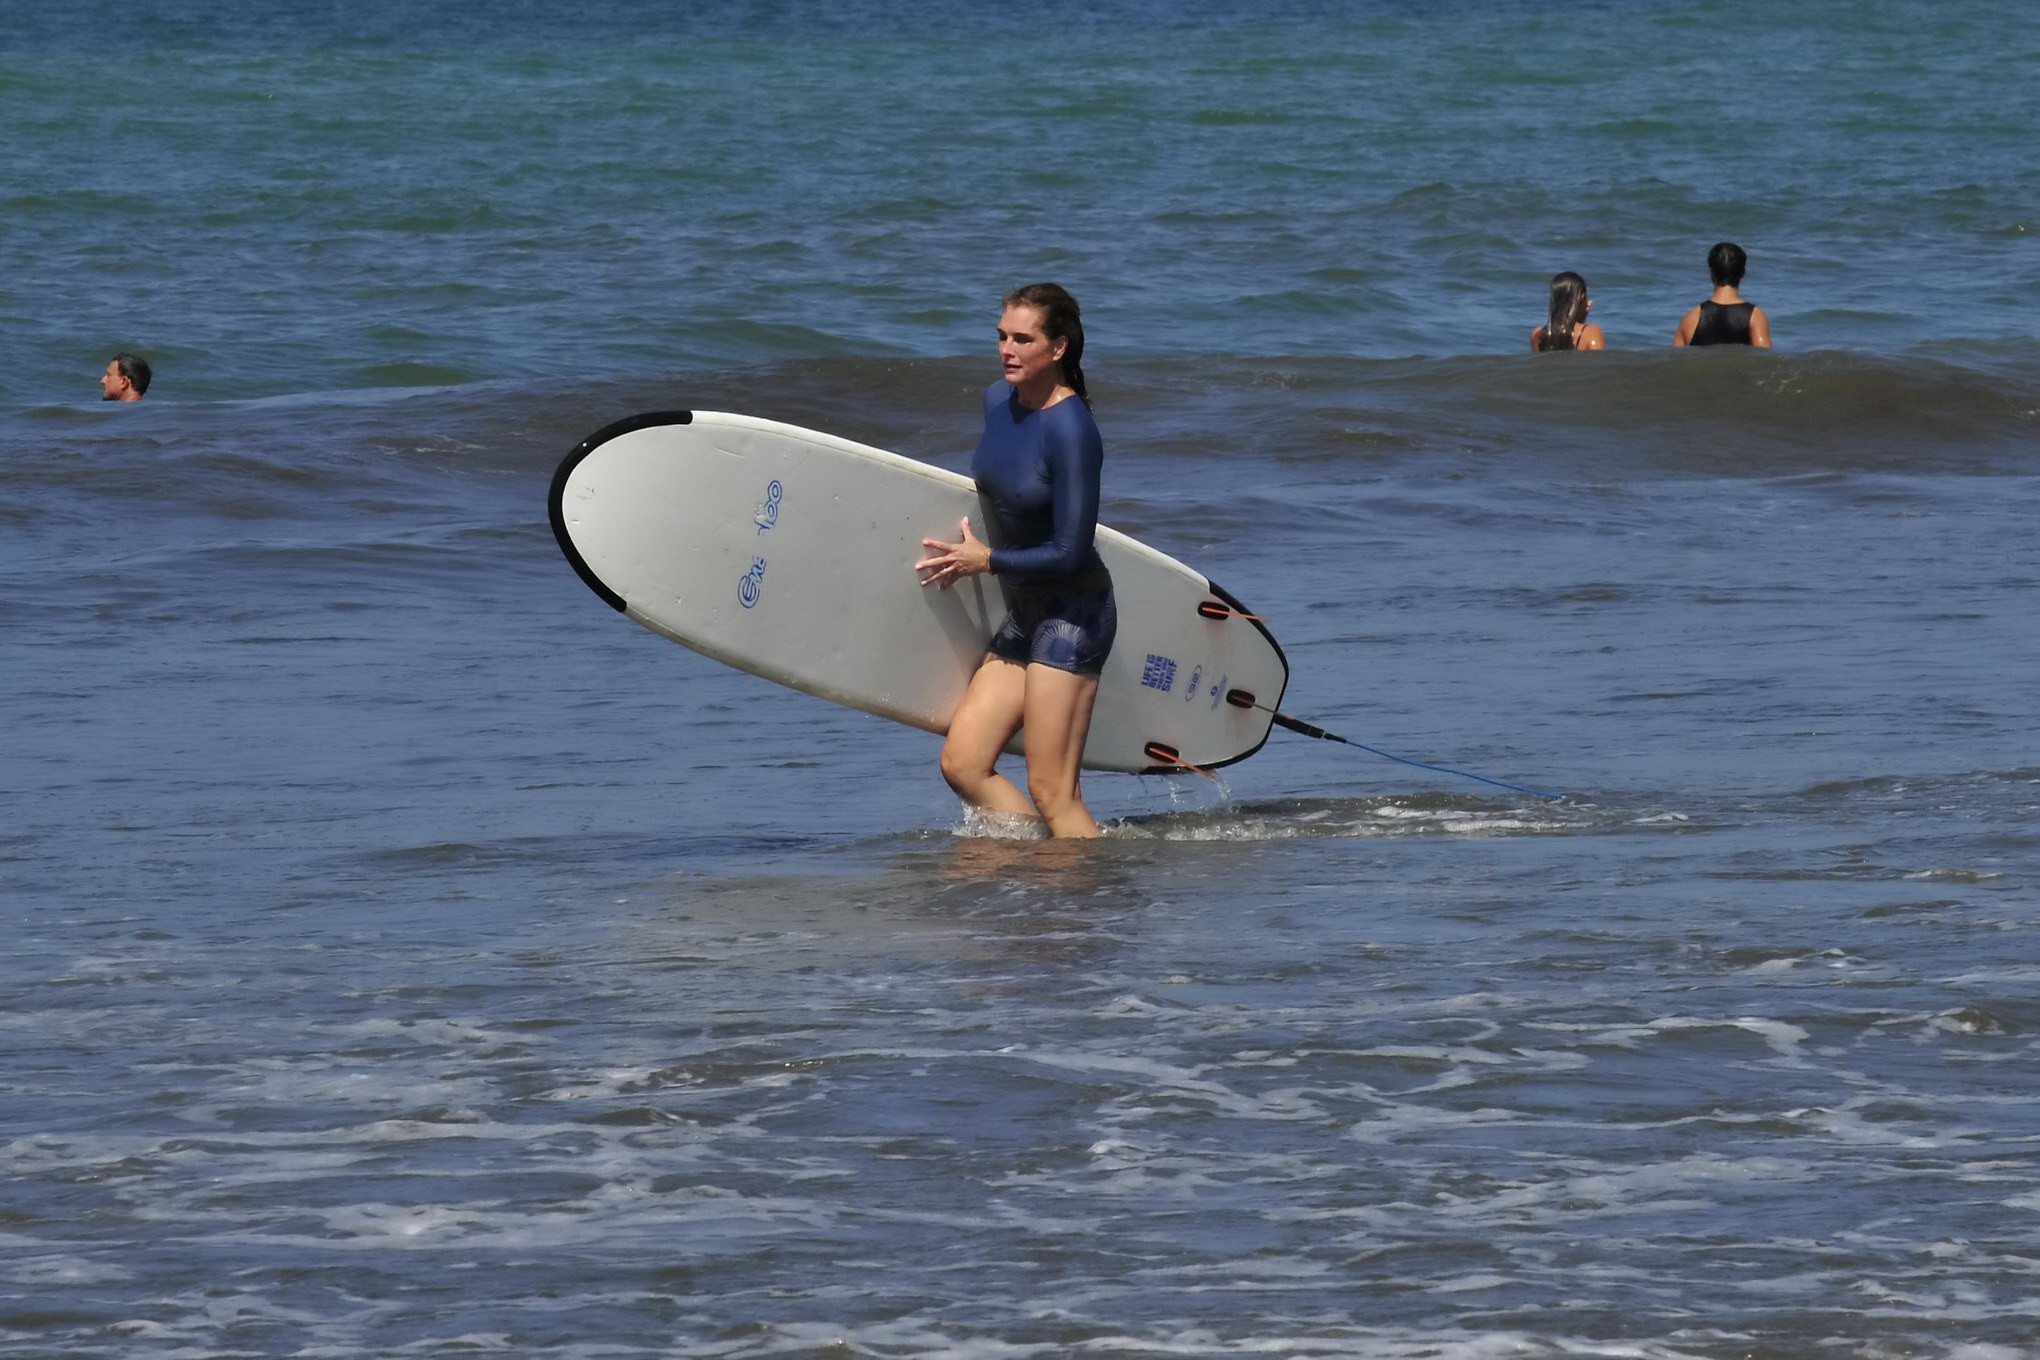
1069,629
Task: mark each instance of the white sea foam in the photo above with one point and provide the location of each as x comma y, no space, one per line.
142,1329
61,1270
984,824
1159,1078
1954,876
1781,1038
1848,1123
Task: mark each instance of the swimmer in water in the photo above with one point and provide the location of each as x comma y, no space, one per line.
1725,319
126,378
1037,467
1568,328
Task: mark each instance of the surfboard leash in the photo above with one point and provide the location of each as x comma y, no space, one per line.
1241,699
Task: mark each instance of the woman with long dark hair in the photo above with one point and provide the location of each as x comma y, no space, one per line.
1037,467
1567,326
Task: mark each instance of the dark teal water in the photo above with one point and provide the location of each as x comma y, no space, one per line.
405,955
382,195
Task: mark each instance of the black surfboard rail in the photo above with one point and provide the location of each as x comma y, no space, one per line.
556,498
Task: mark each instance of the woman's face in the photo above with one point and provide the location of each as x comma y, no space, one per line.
1026,354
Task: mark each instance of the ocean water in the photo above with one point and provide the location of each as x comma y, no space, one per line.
405,955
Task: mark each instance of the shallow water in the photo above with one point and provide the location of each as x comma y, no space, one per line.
409,956
410,953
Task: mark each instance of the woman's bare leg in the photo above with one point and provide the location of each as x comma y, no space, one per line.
1057,716
983,723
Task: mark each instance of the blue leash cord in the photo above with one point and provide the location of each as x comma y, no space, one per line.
1311,730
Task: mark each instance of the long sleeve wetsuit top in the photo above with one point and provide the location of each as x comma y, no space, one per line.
1037,477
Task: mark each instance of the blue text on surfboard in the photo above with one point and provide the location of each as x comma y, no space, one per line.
1159,673
751,583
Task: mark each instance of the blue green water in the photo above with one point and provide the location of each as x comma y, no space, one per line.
383,194
406,955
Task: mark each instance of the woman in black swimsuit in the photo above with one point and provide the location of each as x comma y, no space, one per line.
1725,319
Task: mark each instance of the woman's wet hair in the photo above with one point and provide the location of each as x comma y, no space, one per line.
1568,309
1061,319
1725,264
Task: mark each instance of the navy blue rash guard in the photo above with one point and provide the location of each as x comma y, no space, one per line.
1037,477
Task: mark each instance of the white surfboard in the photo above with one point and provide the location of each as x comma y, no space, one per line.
789,554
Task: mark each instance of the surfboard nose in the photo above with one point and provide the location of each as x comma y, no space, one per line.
567,493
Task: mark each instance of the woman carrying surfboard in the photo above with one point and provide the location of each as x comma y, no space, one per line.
1037,468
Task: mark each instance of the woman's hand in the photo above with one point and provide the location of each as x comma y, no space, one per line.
948,563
